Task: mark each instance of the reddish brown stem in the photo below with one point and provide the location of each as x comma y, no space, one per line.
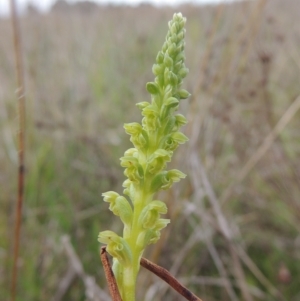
21,142
110,278
167,277
152,267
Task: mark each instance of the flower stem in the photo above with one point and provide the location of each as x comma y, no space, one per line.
129,280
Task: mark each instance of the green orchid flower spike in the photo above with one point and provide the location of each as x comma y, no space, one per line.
154,140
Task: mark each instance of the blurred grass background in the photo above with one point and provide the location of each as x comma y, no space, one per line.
235,231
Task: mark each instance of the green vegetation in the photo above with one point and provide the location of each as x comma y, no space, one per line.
84,72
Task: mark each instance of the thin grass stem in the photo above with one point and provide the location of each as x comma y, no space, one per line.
21,142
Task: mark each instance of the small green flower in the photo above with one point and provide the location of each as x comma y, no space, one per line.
165,179
116,246
154,140
120,207
158,160
151,213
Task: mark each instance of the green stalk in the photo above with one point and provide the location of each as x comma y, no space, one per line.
129,284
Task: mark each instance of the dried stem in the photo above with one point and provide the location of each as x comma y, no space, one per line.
110,278
152,267
21,141
167,277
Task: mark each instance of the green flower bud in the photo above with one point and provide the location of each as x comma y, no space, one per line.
151,121
156,70
174,175
150,219
122,208
107,236
171,142
183,94
161,223
168,61
142,105
169,46
129,161
165,179
110,196
134,170
177,17
172,49
173,79
133,174
169,128
171,102
158,161
152,88
119,206
167,76
140,141
181,46
131,152
139,137
116,246
180,35
165,47
154,236
152,109
178,66
168,92
173,38
163,154
179,137
183,73
173,28
180,120
151,236
180,56
160,57
133,128
129,189
160,80
151,213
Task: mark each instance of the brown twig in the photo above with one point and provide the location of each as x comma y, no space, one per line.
21,146
152,267
167,277
110,278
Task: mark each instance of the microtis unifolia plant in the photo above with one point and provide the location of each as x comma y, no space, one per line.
154,141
